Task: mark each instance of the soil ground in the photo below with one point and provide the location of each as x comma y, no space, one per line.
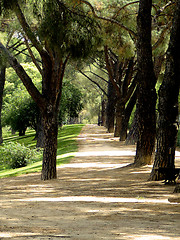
97,196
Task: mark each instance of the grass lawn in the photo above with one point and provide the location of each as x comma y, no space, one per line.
67,146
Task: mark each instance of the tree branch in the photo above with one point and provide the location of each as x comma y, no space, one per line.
29,32
161,38
109,19
32,55
93,82
108,66
98,76
126,5
33,91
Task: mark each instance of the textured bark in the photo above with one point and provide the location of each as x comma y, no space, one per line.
146,100
50,124
103,112
120,115
133,133
2,82
110,110
168,102
127,115
39,133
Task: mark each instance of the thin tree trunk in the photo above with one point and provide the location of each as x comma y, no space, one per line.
168,102
2,82
146,80
103,112
127,114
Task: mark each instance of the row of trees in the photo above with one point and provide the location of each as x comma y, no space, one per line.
129,51
137,83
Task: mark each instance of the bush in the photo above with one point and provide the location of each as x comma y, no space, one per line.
14,155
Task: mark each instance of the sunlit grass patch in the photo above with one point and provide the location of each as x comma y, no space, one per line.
67,146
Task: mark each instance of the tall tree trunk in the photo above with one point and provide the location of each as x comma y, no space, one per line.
168,102
132,136
50,124
146,80
110,110
2,82
127,115
39,132
120,114
103,112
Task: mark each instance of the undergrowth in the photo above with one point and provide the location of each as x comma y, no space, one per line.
19,155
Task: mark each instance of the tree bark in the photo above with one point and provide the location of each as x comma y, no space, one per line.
50,123
2,82
133,133
146,80
120,115
127,115
110,110
121,75
103,111
39,132
168,102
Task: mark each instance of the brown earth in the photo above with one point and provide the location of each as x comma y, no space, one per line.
97,196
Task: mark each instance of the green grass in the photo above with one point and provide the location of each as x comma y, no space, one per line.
67,146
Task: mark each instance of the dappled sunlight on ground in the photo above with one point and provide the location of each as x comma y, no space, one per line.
99,195
94,199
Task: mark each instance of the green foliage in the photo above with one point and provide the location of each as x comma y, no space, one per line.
14,155
71,102
178,138
68,29
20,111
67,145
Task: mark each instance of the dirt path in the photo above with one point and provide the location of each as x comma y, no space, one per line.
96,196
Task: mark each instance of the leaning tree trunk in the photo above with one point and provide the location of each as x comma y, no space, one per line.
2,82
127,114
168,102
146,80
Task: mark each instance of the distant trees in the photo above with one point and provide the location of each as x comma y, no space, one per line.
71,103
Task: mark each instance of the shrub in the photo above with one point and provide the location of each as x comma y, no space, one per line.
14,155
